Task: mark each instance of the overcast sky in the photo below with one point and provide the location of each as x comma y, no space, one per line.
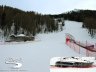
50,6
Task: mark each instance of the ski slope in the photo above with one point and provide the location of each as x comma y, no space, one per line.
36,54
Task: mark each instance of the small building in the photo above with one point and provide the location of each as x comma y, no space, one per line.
21,37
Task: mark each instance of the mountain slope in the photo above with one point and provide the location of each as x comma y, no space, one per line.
36,55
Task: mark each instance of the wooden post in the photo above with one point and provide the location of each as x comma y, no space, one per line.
95,45
86,49
74,47
86,53
79,47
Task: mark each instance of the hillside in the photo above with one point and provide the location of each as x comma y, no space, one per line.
88,17
24,22
46,46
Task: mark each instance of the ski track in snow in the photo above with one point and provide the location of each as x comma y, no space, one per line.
36,55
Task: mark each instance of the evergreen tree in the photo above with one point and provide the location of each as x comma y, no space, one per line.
30,22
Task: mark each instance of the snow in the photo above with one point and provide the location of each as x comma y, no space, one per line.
73,70
0,30
60,23
36,55
21,35
70,59
76,30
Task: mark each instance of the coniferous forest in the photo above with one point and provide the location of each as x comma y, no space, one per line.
16,21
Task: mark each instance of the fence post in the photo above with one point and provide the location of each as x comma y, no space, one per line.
74,46
95,45
86,49
79,47
86,52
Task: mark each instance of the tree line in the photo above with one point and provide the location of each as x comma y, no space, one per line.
88,17
90,24
26,22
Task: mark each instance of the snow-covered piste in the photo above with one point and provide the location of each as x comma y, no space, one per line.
36,54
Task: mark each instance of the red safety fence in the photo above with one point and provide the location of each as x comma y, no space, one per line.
86,48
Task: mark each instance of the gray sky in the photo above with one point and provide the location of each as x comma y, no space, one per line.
50,6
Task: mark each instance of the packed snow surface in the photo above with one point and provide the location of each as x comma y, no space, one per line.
36,54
